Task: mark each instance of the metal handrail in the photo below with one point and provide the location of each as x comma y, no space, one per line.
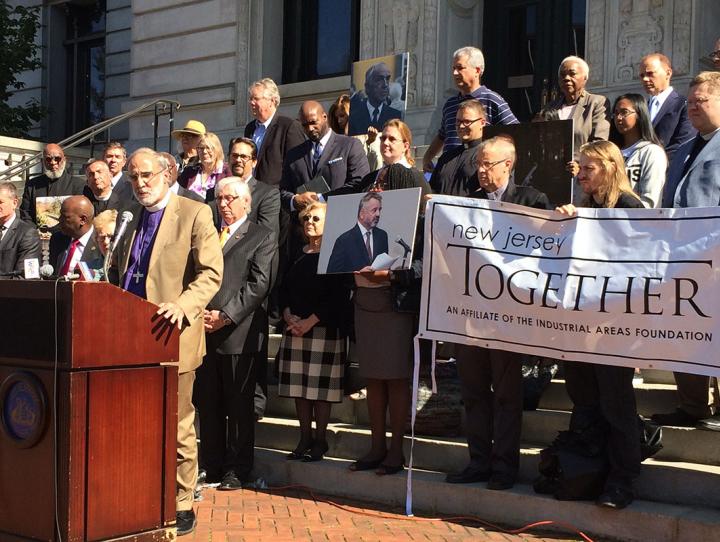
90,132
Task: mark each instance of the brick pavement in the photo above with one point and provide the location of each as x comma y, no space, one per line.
279,515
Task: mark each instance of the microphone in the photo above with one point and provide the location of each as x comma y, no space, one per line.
46,271
399,241
125,219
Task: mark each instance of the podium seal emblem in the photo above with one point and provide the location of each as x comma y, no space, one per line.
23,409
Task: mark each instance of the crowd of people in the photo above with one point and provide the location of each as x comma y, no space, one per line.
228,243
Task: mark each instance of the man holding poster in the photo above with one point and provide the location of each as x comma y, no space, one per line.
491,380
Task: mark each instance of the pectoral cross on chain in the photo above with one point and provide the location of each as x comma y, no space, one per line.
137,276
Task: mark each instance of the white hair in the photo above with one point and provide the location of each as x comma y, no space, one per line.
583,65
474,56
270,89
237,186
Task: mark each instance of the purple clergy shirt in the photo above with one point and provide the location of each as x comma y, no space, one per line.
140,254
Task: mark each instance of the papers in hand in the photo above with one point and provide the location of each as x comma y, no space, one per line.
384,261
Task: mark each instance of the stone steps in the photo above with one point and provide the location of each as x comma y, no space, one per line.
669,482
641,522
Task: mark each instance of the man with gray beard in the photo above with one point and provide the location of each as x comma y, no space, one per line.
56,180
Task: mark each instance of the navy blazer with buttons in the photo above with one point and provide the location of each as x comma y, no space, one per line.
672,125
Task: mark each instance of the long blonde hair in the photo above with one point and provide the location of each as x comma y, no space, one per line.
615,180
406,134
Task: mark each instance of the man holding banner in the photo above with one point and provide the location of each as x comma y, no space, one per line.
694,181
491,380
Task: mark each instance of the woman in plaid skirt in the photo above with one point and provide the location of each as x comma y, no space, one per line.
312,353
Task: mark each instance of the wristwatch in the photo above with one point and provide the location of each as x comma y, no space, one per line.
225,319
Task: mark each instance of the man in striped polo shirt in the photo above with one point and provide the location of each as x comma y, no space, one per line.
468,67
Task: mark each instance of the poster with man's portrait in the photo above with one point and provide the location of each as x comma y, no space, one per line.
378,92
371,230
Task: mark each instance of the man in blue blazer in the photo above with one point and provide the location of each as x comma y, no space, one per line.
694,181
668,109
338,158
358,247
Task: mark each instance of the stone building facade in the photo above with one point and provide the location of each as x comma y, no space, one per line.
205,53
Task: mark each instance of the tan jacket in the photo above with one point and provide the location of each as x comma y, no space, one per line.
590,119
186,267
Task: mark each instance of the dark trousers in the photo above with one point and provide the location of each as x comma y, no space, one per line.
605,393
224,394
492,390
694,394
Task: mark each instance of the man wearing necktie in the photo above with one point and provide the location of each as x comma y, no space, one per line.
668,109
694,181
235,325
361,244
75,242
170,255
19,240
374,109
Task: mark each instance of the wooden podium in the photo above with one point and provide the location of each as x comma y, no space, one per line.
88,415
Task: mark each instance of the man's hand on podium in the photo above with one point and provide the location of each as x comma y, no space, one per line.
173,313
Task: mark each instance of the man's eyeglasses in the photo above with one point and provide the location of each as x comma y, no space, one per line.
467,123
241,157
489,165
145,176
314,218
227,200
53,158
698,102
624,113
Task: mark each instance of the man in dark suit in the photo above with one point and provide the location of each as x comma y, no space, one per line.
235,324
115,155
491,380
75,242
372,110
19,240
338,158
273,134
99,188
358,247
56,180
668,110
694,181
456,171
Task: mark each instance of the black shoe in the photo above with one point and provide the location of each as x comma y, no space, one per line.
710,424
362,464
385,470
498,482
679,418
469,475
300,451
615,497
230,482
316,453
185,522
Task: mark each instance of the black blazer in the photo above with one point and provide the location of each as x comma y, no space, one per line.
282,135
672,125
362,185
59,244
265,208
349,252
248,257
20,242
456,171
520,195
360,116
42,186
342,161
113,202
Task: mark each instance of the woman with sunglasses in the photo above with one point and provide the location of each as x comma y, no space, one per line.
645,159
386,311
211,167
312,352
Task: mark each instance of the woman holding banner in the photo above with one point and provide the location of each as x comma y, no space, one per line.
645,159
386,309
603,395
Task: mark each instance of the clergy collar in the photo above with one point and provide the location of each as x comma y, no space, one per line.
159,206
472,143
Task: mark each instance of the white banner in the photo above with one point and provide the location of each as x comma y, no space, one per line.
631,287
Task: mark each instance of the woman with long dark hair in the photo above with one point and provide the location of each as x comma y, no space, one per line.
645,159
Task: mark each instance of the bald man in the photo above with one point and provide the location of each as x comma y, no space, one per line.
56,180
668,109
75,242
337,158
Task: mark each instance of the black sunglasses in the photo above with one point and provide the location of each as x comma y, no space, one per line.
307,218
